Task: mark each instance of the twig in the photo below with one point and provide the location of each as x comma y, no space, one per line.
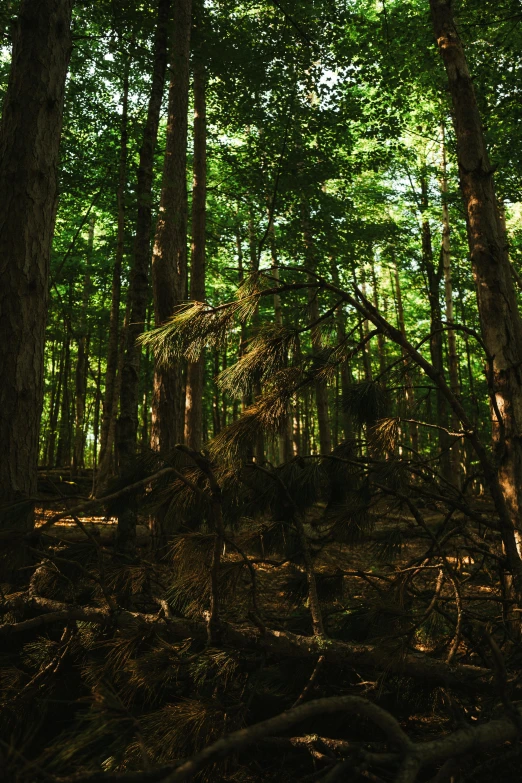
309,685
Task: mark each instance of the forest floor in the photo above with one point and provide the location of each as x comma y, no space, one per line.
396,587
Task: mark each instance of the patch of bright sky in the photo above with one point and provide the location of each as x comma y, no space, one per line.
514,216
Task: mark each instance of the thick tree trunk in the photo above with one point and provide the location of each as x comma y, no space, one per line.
501,324
138,295
169,257
29,142
195,370
110,399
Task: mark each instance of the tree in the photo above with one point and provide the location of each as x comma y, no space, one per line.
113,374
169,258
501,323
29,145
138,294
196,369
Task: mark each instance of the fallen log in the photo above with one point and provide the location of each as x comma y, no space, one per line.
280,644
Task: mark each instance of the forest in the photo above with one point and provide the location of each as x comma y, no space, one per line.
260,391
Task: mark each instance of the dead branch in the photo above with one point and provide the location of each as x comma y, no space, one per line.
282,644
239,740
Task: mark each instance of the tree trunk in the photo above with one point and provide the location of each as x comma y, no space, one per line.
321,389
63,451
408,386
285,436
453,359
501,324
434,274
96,417
138,294
195,370
54,410
45,426
245,398
147,374
82,362
259,446
296,427
169,257
346,374
365,331
29,142
110,400
381,343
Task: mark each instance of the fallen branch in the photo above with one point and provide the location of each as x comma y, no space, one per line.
239,740
281,644
105,499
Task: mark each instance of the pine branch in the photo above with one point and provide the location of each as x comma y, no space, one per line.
277,643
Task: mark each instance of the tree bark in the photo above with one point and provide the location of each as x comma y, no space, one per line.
29,143
195,370
501,324
127,427
169,257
